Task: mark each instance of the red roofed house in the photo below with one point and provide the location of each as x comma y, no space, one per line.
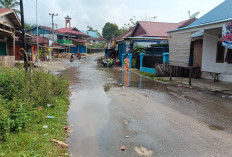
146,34
74,39
9,25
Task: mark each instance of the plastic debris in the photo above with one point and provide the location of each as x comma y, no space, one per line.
127,136
123,147
40,108
50,117
49,105
67,129
62,144
125,122
179,85
45,126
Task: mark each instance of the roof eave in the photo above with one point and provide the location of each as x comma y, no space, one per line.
201,25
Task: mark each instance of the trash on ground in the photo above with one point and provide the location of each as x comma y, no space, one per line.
45,126
123,147
50,117
127,136
40,108
125,122
49,105
45,134
142,151
62,144
67,129
223,96
179,85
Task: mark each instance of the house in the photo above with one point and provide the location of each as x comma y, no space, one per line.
121,44
92,40
205,44
146,34
75,40
9,26
46,32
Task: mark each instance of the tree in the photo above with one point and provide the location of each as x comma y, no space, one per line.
132,23
110,31
28,26
90,28
10,4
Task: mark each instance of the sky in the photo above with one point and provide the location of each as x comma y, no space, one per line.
96,13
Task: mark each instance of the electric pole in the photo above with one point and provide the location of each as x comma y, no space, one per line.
24,35
37,27
52,15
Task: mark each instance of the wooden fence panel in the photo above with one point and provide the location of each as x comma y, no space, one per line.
179,47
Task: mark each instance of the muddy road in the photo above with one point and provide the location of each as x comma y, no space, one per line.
110,109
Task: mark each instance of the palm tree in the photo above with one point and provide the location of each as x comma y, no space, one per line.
10,4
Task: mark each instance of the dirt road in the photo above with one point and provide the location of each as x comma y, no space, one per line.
148,118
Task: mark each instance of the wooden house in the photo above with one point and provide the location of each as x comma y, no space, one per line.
9,25
205,44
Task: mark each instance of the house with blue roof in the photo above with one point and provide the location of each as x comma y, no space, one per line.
205,44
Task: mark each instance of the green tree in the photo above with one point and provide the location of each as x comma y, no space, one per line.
90,28
28,26
110,31
10,4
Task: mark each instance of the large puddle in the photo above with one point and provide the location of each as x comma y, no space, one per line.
90,109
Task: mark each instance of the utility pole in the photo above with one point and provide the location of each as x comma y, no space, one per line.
52,15
37,27
24,36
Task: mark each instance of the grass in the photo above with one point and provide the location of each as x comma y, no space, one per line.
21,122
147,74
161,80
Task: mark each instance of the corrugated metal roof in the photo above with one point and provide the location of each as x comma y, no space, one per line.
91,33
220,13
158,29
71,30
79,40
3,10
124,35
50,29
42,40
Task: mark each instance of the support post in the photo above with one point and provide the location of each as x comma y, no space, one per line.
14,43
170,72
130,58
52,15
190,75
141,61
24,36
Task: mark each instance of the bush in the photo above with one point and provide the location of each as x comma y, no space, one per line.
21,95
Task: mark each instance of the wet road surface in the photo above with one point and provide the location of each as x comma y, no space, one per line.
110,109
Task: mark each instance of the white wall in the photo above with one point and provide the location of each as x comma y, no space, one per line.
209,60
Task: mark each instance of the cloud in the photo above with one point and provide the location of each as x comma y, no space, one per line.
97,12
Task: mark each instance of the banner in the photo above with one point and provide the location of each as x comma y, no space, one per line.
227,35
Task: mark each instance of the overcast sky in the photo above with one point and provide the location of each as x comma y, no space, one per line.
97,12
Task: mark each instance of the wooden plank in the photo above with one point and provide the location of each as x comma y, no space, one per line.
179,46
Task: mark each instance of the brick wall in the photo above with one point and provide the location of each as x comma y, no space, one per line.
197,58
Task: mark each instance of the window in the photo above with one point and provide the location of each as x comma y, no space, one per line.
220,53
229,56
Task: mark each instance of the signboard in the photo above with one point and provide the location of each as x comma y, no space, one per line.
227,35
